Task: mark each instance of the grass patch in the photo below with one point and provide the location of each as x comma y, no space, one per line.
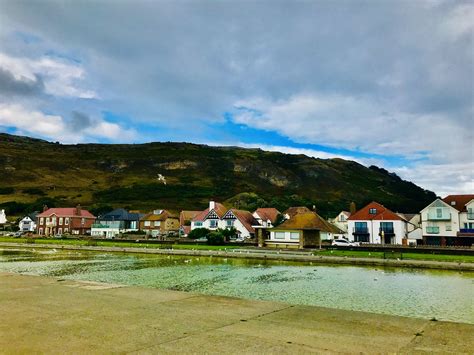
406,256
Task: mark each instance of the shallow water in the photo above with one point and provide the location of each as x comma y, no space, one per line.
445,295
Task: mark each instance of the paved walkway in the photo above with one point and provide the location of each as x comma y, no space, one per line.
49,315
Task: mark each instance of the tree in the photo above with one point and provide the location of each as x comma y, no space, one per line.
199,233
228,233
216,237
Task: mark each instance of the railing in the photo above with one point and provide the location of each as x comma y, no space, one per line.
466,230
386,230
432,230
102,225
361,231
434,216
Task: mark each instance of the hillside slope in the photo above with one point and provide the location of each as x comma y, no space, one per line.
100,176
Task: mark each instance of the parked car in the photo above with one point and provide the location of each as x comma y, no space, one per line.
344,243
18,234
59,236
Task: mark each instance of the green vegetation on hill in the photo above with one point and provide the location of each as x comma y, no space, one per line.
100,176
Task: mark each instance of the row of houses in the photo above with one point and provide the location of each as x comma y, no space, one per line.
447,221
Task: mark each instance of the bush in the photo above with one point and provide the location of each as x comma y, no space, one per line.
216,238
199,233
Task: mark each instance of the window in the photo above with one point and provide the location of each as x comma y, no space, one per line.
373,211
198,224
147,223
448,228
41,221
386,227
157,223
60,231
213,223
66,221
41,231
361,227
279,235
294,235
439,213
83,221
342,218
60,220
229,223
66,230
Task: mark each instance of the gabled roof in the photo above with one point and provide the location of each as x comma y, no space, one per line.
458,202
219,209
382,213
66,212
163,216
268,214
246,218
308,221
187,216
120,214
346,213
292,211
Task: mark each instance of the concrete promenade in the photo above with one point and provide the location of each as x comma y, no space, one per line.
303,257
48,315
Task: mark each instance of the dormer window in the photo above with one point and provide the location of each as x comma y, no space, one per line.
373,211
453,203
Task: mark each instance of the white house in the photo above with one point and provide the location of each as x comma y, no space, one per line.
340,221
449,221
28,223
266,217
3,217
376,224
217,216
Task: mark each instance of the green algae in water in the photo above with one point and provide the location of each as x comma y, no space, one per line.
444,295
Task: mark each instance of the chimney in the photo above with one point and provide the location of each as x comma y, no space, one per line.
352,208
78,210
212,205
45,208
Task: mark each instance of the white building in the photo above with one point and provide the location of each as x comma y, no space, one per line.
340,221
3,217
449,221
28,223
376,224
216,216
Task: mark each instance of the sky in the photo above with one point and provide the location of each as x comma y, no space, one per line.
386,83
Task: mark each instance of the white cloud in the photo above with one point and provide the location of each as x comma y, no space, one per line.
444,179
61,78
36,123
358,123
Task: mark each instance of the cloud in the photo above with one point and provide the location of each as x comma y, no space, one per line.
358,123
11,86
60,77
78,129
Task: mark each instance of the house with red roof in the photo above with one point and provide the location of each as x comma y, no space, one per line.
376,224
449,221
74,220
218,216
266,217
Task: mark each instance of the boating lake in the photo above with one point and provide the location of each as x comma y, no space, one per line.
420,293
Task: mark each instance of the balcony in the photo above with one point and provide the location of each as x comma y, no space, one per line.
386,230
435,216
107,225
432,230
467,230
361,231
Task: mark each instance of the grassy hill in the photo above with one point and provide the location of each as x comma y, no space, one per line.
101,176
